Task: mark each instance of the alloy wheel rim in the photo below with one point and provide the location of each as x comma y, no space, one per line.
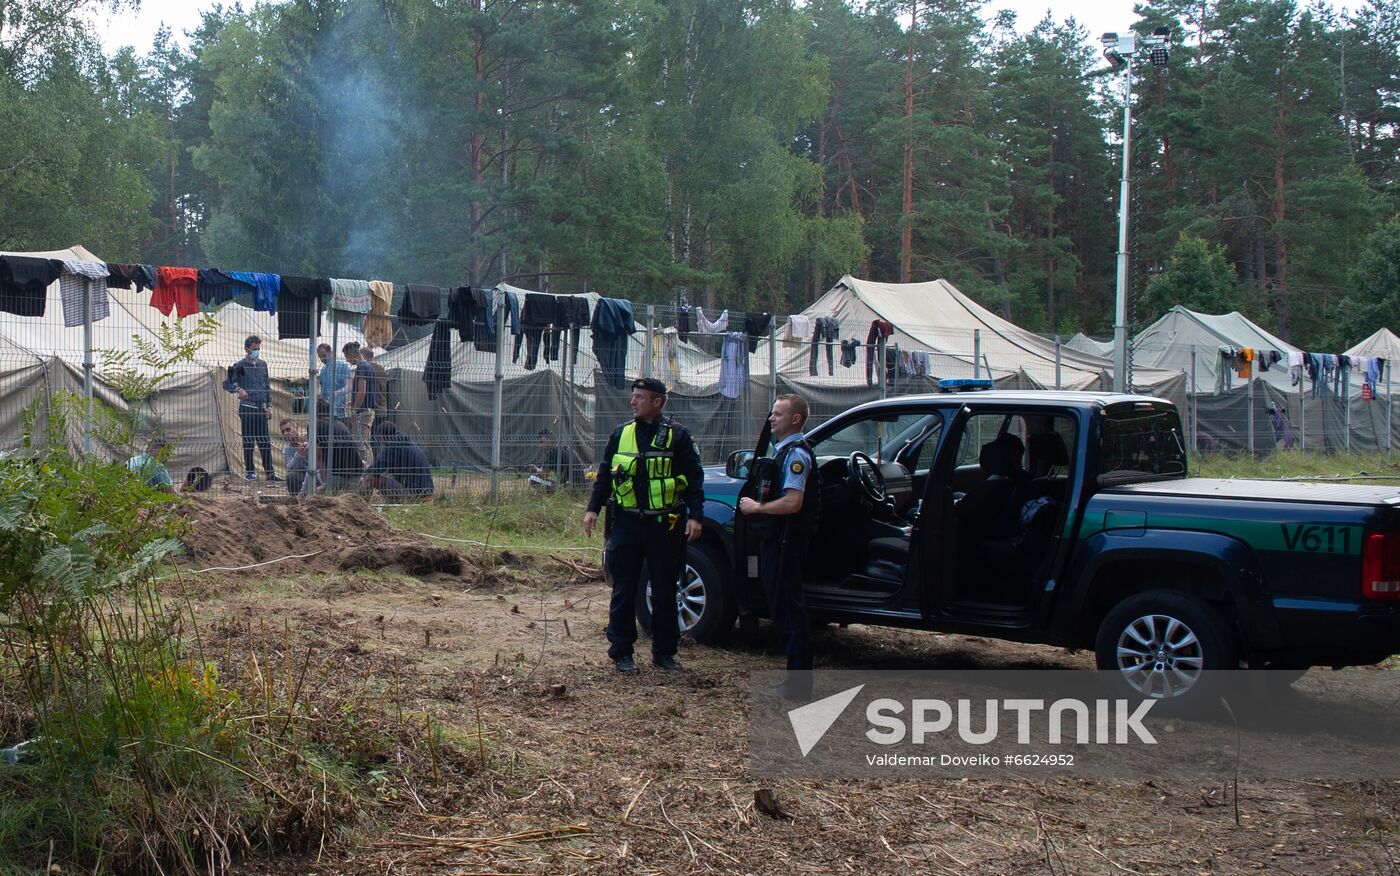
1160,656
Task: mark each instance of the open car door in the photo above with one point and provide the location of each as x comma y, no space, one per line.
745,571
933,560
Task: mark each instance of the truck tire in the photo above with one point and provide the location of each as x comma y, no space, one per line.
706,609
1160,642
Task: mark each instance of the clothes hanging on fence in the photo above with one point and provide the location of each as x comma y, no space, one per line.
825,329
123,275
914,364
437,371
1316,374
379,329
461,312
483,320
350,302
798,330
514,302
24,284
719,326
214,287
1295,367
1375,366
849,348
683,324
266,288
83,281
1265,358
1283,430
1224,367
879,328
1342,384
733,365
665,356
176,288
538,314
756,326
573,315
298,305
612,325
421,305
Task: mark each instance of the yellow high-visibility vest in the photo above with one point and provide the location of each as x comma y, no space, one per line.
663,486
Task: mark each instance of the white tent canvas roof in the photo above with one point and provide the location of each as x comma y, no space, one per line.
1384,343
1169,342
1086,344
936,318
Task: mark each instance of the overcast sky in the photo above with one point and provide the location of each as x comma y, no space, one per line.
181,15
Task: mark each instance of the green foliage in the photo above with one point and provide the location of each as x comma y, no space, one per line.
1374,299
1197,277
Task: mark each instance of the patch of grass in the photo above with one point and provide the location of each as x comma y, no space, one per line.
542,521
1299,464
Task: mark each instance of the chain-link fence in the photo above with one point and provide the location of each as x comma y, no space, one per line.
506,390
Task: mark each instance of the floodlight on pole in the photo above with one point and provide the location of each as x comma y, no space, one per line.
1120,50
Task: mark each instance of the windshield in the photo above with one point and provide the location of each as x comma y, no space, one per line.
1140,442
883,439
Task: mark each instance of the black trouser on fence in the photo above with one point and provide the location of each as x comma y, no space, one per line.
635,539
253,422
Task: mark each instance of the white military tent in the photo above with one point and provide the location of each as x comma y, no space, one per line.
961,337
1226,407
1085,344
1384,343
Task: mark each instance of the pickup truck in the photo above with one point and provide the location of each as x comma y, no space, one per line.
1067,519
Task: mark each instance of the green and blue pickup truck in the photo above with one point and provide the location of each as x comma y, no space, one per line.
1067,519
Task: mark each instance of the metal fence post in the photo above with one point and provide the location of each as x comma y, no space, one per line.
1057,362
772,363
977,353
87,370
1346,415
498,392
1195,440
308,486
1303,408
651,328
1251,413
880,366
1387,407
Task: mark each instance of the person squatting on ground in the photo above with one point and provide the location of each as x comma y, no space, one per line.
295,456
150,467
337,463
248,378
558,465
784,519
651,478
364,400
400,469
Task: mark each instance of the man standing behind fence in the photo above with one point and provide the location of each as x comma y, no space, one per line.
248,378
335,381
364,399
651,476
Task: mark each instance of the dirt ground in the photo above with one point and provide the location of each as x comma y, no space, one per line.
589,771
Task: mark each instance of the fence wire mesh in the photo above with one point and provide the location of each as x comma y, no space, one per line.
505,390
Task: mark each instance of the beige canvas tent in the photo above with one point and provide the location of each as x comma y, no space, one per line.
962,339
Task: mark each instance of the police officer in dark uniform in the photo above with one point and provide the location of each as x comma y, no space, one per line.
650,476
784,518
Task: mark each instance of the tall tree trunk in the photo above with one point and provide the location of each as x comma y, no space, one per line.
906,233
478,139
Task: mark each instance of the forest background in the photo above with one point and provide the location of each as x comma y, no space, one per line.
744,153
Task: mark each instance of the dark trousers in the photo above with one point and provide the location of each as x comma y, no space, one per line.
633,540
783,588
253,422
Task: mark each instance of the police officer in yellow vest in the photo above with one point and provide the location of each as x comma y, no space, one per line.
651,478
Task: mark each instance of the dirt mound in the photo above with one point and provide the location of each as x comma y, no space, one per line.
326,533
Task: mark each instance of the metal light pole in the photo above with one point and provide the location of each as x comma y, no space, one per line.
1120,52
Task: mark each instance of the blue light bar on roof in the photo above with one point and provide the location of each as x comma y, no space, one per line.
963,384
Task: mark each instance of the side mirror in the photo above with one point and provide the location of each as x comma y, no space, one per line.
739,464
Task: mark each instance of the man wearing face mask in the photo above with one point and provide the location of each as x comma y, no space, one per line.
248,378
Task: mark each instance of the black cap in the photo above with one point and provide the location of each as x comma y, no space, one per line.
650,384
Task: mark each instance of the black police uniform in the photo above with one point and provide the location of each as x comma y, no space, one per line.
656,536
783,543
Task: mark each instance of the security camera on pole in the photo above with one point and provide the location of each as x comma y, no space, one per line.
1120,52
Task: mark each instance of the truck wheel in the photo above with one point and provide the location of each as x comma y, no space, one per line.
704,605
1161,642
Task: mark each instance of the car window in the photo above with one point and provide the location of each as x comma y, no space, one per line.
885,438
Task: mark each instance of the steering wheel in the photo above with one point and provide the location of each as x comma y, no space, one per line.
867,475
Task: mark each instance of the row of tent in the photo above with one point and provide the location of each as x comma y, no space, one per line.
39,356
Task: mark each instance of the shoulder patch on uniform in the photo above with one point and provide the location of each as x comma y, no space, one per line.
797,466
